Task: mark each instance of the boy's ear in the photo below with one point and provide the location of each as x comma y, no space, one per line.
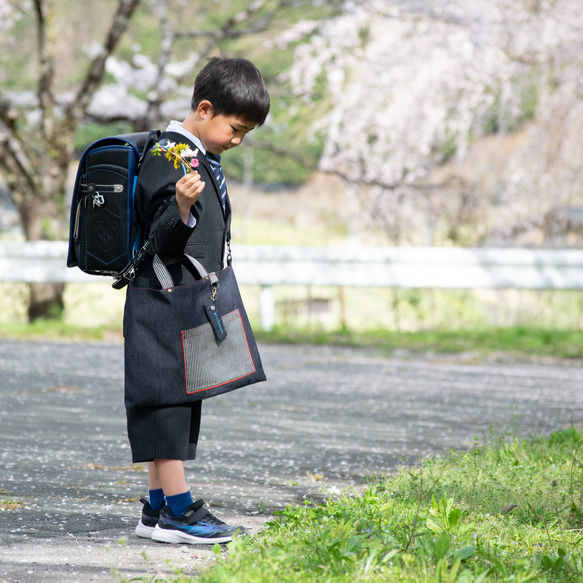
205,109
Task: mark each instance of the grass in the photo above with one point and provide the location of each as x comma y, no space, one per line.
515,341
518,341
57,330
508,510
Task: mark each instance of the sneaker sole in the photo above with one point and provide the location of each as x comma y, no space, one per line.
144,531
166,535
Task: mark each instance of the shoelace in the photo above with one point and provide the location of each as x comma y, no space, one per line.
212,519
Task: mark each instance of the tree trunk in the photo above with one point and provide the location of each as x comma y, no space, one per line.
41,211
35,158
46,301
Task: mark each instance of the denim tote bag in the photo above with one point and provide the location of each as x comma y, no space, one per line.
188,342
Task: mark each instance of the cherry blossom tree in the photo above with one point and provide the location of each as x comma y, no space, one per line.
77,72
36,135
416,89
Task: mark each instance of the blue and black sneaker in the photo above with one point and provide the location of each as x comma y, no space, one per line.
197,526
148,520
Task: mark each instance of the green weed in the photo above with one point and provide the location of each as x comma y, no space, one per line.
508,510
9,504
515,341
57,330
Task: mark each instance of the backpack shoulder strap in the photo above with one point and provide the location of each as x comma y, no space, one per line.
144,141
129,272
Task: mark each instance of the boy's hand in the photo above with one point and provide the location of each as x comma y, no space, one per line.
188,189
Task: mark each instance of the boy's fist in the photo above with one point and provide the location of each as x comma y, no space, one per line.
188,189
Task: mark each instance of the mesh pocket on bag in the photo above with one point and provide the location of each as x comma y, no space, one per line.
209,364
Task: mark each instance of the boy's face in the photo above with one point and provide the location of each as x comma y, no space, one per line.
222,132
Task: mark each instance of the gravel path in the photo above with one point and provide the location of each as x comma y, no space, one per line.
326,419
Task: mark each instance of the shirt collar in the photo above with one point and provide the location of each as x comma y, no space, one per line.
176,127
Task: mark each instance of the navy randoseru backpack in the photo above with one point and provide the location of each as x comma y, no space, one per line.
101,239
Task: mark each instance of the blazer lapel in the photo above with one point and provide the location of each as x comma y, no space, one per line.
202,159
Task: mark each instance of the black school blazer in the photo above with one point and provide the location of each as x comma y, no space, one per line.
157,217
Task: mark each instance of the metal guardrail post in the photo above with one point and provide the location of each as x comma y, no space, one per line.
267,307
369,267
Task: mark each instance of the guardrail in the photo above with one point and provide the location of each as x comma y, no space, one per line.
399,267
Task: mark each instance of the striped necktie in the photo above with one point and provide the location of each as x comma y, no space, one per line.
215,162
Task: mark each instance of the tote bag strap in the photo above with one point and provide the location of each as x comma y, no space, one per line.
165,279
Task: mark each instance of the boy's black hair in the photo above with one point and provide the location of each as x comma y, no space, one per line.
234,87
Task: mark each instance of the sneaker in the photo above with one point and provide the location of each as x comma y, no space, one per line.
148,520
197,526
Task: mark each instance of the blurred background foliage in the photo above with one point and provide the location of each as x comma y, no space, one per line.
392,122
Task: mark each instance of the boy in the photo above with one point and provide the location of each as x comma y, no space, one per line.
229,100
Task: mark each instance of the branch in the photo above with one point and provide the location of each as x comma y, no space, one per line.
225,32
282,152
15,160
363,182
228,29
46,98
78,107
156,95
8,115
359,181
414,15
522,59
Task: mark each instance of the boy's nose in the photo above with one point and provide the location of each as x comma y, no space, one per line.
237,140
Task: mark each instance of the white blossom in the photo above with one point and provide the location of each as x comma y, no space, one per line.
137,75
117,102
6,16
413,86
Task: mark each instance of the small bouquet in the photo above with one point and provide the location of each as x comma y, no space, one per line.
179,154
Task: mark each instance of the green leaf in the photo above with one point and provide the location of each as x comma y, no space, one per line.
388,556
442,544
560,559
482,576
547,562
464,553
454,517
352,546
433,526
